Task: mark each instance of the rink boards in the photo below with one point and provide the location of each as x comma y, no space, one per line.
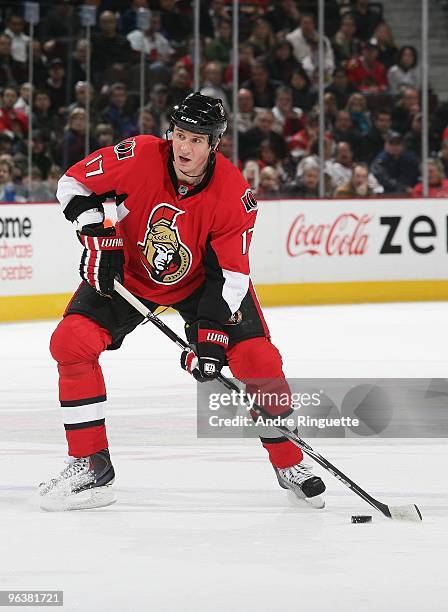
302,252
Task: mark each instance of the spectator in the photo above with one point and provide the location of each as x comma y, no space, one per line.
246,111
405,72
56,86
357,107
341,169
268,156
12,121
220,47
344,131
226,149
251,173
262,39
308,185
158,105
387,50
39,190
7,189
269,187
330,110
151,41
175,25
109,48
438,184
19,40
300,143
366,72
39,64
284,16
24,100
104,134
61,21
217,12
180,86
53,177
373,143
262,87
345,44
12,73
340,87
213,84
82,89
403,112
245,63
396,169
304,41
147,122
6,142
119,114
288,118
366,19
443,157
262,130
128,19
41,157
79,61
303,94
413,139
282,62
358,184
313,159
49,124
72,148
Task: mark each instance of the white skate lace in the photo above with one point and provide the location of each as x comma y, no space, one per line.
297,474
75,475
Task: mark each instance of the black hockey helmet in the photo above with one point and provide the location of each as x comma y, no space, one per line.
202,115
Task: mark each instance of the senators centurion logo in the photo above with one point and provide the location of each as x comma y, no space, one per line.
164,256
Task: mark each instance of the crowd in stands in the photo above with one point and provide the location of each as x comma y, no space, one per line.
372,102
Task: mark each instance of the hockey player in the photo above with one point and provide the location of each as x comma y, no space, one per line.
185,219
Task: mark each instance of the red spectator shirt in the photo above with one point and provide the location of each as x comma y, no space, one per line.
434,191
176,237
365,78
13,119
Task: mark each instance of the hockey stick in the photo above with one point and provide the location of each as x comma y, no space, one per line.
409,512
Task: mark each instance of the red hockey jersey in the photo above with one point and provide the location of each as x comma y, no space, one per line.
176,237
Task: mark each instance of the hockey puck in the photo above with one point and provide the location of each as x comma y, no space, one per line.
361,518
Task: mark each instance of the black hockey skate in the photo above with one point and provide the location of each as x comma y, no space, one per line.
303,483
84,483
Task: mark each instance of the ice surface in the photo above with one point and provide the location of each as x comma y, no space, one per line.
201,525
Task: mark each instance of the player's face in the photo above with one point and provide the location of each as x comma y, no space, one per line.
190,152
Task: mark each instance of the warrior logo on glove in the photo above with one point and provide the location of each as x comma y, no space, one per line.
165,257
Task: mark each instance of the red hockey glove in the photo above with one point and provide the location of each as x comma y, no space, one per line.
103,259
208,353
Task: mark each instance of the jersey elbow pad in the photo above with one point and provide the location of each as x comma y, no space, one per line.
82,204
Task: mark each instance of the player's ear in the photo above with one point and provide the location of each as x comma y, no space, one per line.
215,148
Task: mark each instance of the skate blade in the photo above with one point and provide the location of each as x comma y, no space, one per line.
98,497
317,502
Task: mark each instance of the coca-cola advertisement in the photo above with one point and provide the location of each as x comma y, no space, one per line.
328,241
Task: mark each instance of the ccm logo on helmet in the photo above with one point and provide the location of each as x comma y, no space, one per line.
188,119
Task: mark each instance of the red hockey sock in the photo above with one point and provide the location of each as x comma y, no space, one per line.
76,345
258,363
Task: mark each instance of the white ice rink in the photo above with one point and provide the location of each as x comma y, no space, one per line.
201,525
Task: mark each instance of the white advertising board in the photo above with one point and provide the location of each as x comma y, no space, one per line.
316,241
